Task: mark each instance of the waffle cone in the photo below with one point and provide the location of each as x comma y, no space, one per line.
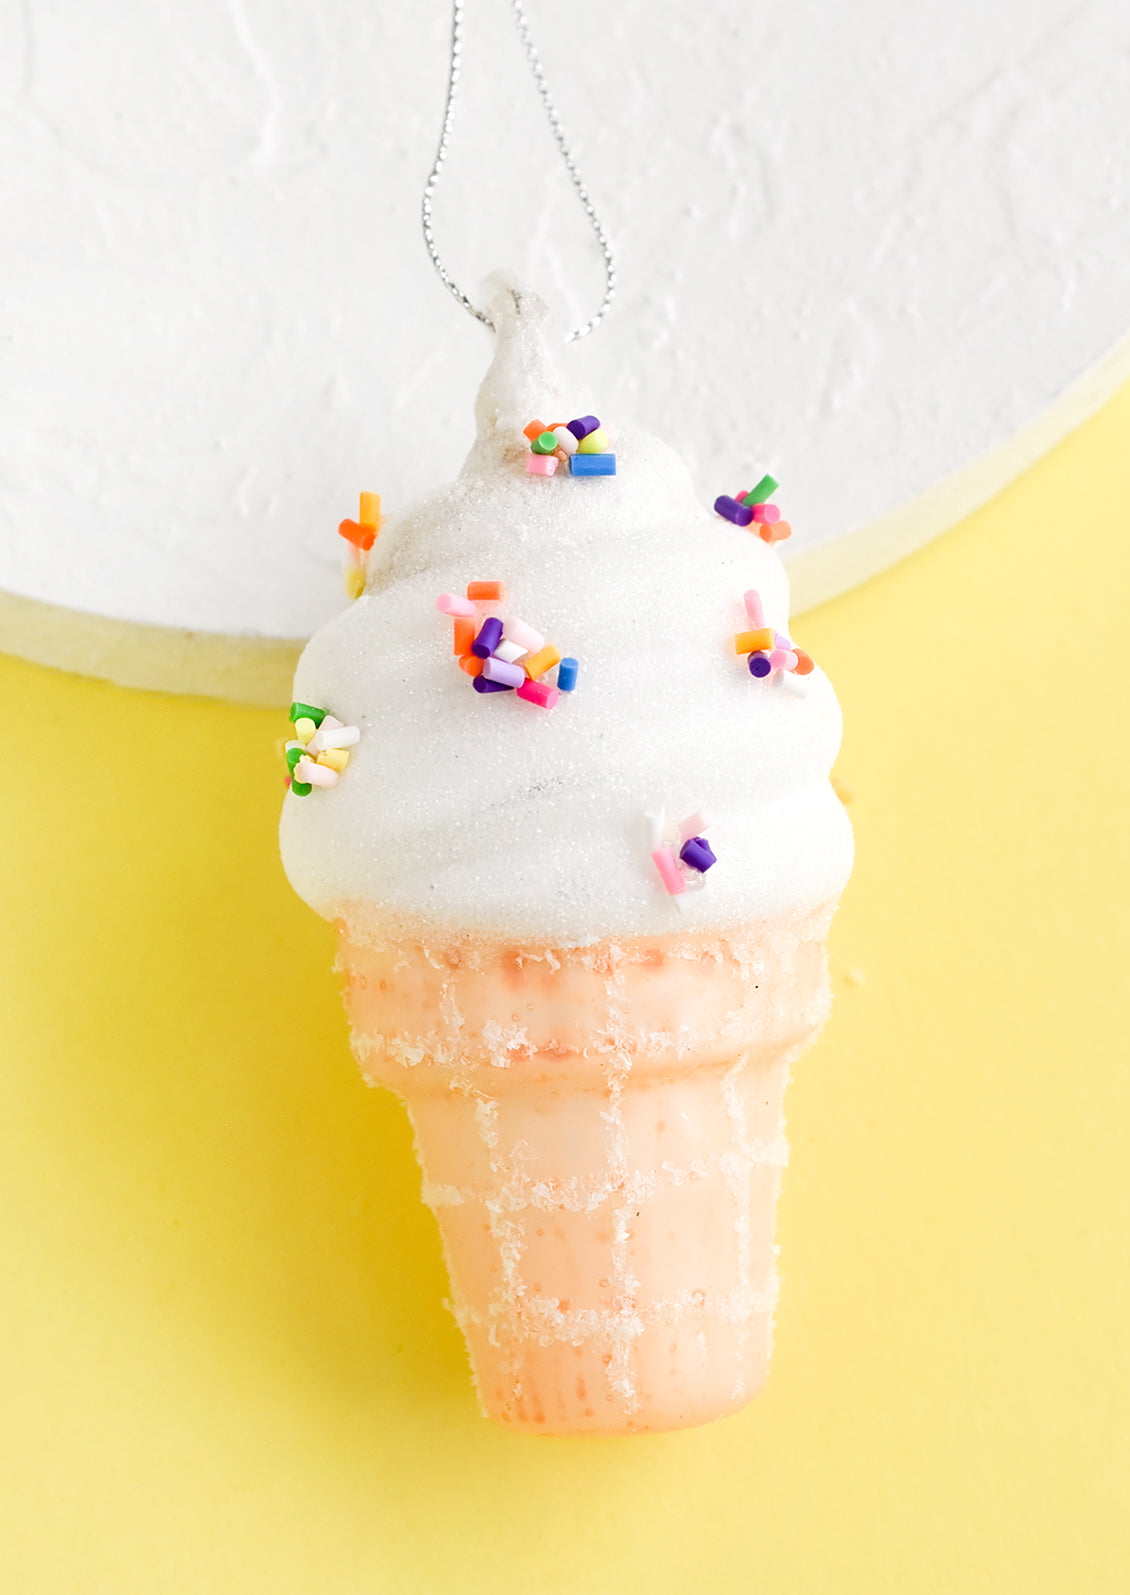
601,1136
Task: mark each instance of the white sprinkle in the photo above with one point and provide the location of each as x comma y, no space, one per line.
656,822
338,736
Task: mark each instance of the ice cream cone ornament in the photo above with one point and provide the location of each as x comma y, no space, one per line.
590,1014
582,868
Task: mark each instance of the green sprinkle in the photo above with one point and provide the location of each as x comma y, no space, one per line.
292,757
307,711
764,489
544,443
301,788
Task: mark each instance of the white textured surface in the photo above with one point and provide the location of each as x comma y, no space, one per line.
466,812
865,245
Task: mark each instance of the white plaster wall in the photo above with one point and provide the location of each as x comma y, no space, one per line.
864,244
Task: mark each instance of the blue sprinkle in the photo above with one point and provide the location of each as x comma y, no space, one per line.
567,674
595,465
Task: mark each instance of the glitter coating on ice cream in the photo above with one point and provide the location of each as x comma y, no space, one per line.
485,814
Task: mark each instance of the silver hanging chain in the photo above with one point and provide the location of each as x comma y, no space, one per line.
563,147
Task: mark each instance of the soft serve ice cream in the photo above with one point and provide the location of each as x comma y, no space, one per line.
594,1066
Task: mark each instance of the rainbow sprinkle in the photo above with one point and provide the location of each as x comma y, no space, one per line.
582,447
318,753
502,653
752,508
679,851
360,535
768,652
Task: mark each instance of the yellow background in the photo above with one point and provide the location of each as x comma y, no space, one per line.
225,1364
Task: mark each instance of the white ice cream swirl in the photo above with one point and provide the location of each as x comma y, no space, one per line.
463,813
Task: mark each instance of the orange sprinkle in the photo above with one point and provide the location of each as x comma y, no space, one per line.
464,636
749,642
370,511
472,664
354,532
545,659
805,664
775,533
483,590
535,429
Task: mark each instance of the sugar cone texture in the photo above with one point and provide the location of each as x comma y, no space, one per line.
602,1139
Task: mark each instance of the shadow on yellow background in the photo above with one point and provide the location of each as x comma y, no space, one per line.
225,1362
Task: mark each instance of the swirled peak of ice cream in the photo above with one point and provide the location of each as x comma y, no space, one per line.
464,812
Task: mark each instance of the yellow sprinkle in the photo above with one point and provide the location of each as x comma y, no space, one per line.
334,758
370,511
748,642
354,581
537,664
304,729
596,443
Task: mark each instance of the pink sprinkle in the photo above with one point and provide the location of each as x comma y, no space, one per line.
541,464
315,774
767,513
754,608
454,604
782,659
694,825
669,872
537,691
517,631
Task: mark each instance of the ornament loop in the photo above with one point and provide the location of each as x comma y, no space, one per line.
454,70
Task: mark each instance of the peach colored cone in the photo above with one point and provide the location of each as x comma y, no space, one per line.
602,1139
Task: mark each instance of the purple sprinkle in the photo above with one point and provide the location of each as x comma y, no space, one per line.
582,426
499,670
731,510
481,684
759,664
698,854
488,639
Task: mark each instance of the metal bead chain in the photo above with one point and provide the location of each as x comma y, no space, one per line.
456,60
